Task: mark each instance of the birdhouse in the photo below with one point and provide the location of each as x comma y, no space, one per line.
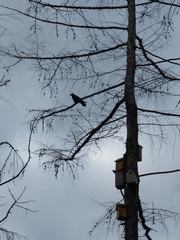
121,211
119,179
131,177
139,153
119,164
119,173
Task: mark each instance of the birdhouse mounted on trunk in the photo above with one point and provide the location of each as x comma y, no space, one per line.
119,179
121,211
119,164
119,173
131,177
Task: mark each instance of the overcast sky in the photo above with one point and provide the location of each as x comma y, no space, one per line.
67,208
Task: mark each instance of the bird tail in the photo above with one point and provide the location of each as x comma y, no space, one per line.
83,103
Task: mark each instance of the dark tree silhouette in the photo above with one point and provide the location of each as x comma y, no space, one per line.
111,51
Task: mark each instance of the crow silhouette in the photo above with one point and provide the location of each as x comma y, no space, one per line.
77,99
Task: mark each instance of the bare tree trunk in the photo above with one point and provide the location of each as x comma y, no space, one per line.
131,191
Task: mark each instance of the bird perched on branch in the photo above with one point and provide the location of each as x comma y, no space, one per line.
77,99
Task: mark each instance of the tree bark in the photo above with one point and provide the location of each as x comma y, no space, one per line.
131,191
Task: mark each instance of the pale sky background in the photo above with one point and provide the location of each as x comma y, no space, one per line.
66,208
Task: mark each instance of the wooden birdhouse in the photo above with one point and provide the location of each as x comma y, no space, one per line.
119,164
131,177
119,179
119,173
140,153
121,211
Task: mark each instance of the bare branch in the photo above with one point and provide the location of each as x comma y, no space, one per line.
63,23
43,114
7,234
16,203
102,7
159,112
25,165
77,7
143,221
95,130
22,55
159,173
152,63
